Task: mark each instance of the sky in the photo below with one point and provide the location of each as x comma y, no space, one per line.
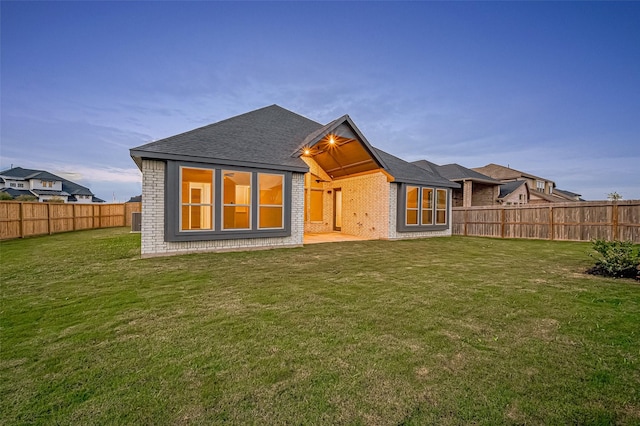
548,88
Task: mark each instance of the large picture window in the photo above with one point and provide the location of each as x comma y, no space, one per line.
197,199
214,203
422,208
270,213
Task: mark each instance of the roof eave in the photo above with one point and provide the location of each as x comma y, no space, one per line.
139,155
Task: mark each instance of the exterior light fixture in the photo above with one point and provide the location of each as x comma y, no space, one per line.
332,140
307,151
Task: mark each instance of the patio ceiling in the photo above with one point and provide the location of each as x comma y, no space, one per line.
342,156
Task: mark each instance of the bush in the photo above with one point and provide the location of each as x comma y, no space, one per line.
619,259
5,196
26,198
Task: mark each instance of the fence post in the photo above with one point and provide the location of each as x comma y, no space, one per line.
551,223
614,215
502,224
466,218
49,217
21,219
73,216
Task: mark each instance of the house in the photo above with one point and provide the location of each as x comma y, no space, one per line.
475,189
265,178
45,186
541,190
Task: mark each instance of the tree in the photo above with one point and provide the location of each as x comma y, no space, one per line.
614,196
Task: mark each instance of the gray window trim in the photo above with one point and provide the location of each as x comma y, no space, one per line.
172,205
401,211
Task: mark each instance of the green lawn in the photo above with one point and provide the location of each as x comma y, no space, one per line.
438,331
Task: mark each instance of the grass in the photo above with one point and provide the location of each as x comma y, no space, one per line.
436,331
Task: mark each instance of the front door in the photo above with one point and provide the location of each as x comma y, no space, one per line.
337,209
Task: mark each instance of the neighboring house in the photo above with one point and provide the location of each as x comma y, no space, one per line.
541,190
264,178
45,186
515,192
475,189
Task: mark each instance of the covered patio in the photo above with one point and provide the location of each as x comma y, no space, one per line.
329,237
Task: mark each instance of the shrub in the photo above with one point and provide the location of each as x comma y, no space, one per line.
619,259
26,198
5,196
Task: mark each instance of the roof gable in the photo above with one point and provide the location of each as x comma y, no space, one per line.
508,187
341,149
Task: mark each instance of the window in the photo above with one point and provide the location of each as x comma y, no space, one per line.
270,212
412,205
21,185
540,185
314,200
236,213
12,184
422,208
427,206
205,202
441,208
197,199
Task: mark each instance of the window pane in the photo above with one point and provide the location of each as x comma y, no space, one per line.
427,216
195,176
317,214
412,217
236,217
196,217
237,187
427,198
442,199
412,197
270,217
270,189
441,217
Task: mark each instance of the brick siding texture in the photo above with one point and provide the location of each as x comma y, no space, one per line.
153,216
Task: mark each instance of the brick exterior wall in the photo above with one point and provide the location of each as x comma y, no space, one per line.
484,195
365,211
153,216
393,215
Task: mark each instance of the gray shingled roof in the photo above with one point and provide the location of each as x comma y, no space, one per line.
406,172
18,173
457,172
265,137
508,187
69,187
16,192
50,192
269,137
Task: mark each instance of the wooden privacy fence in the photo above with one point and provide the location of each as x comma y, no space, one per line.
578,221
25,219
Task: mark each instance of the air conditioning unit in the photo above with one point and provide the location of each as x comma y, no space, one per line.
136,222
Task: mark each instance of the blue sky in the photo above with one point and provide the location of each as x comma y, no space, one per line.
550,88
